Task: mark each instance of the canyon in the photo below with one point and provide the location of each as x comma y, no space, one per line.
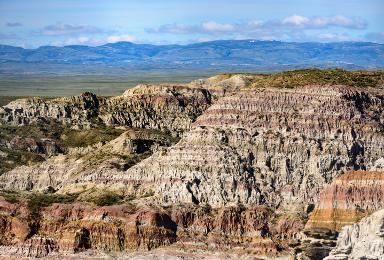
236,165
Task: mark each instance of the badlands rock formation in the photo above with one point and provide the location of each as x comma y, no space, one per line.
268,146
75,227
167,108
245,175
363,240
85,166
345,201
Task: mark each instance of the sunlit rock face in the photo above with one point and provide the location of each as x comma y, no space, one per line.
269,146
363,240
347,199
277,147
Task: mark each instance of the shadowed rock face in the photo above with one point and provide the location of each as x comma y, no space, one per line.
363,240
347,199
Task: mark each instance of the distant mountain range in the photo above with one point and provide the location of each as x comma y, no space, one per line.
215,56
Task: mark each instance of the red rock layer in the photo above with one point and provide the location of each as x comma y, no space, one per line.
76,227
71,228
347,199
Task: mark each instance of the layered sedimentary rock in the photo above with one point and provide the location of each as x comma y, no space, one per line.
77,111
81,165
66,228
277,147
61,229
363,240
268,146
164,107
347,199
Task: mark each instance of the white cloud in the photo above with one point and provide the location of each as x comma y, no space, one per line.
282,26
69,29
121,38
83,40
297,20
211,26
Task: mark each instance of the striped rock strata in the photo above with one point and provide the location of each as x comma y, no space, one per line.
277,147
347,199
268,146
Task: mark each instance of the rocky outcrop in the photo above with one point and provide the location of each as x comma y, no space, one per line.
63,229
39,146
268,146
363,240
77,111
68,228
347,199
276,147
83,168
163,107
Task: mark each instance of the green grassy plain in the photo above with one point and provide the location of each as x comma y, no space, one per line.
74,85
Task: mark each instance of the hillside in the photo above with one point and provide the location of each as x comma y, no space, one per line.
215,56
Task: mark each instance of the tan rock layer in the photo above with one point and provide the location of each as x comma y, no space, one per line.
347,199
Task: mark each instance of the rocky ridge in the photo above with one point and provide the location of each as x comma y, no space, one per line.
268,146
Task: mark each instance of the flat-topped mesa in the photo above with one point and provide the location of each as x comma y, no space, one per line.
77,111
273,146
164,107
347,199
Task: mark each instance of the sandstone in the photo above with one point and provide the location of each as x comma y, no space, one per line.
347,199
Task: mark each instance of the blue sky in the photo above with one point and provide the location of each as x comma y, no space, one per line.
34,23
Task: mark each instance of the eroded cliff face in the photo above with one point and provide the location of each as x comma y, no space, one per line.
244,176
68,228
363,240
345,201
77,111
83,168
163,107
276,147
64,229
268,146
